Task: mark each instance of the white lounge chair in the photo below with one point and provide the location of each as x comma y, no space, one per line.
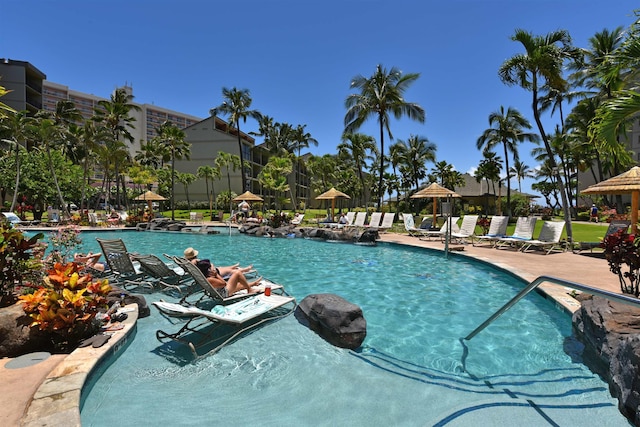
549,238
467,229
410,226
297,220
387,222
443,230
201,327
374,221
522,233
15,220
359,221
497,230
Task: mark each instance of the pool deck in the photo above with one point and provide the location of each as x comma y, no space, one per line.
47,393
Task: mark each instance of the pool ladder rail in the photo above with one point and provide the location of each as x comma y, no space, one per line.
542,279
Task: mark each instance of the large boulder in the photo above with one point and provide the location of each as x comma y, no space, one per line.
335,319
610,332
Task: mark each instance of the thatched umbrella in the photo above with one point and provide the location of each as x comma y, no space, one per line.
150,197
332,195
625,183
249,197
434,190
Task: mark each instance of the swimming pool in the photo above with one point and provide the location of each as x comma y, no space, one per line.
417,304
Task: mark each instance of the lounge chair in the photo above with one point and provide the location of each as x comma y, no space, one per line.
94,220
467,229
15,220
121,268
549,238
442,233
497,230
170,279
358,222
387,222
614,226
209,292
522,233
374,221
297,220
410,226
204,328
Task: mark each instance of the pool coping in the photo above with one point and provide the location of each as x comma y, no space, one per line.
57,400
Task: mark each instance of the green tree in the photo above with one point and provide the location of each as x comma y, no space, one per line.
380,95
419,150
17,128
508,129
542,65
171,138
209,173
520,171
237,104
358,147
274,177
186,179
229,162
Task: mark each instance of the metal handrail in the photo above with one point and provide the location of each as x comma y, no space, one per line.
541,279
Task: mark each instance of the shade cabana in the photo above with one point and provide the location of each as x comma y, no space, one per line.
150,197
249,197
625,183
332,195
435,191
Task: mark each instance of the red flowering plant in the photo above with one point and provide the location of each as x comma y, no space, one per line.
622,251
66,304
484,223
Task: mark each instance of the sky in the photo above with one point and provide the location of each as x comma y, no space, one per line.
298,57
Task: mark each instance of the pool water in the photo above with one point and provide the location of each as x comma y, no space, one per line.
524,368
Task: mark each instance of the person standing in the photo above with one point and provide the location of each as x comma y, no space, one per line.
593,215
244,209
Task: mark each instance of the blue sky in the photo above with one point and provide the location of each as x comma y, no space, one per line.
297,57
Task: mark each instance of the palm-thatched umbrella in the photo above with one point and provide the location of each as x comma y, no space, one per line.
150,197
434,190
249,197
332,195
625,183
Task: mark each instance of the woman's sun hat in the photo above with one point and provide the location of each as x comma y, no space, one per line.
190,253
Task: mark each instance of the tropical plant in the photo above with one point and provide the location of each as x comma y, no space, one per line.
15,252
186,179
622,250
274,176
230,162
380,95
209,173
66,304
237,105
64,240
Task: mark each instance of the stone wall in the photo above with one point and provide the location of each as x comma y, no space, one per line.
610,332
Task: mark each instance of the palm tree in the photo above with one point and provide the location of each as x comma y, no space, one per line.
274,177
186,179
419,151
230,162
521,171
171,138
114,116
209,173
236,105
541,65
507,129
47,134
358,147
301,139
381,95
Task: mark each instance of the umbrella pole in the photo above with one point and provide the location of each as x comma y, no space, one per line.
634,211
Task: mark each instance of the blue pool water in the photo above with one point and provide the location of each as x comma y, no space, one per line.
524,368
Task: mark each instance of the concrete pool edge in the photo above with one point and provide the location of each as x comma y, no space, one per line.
57,399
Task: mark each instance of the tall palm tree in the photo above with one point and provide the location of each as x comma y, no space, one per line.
419,150
301,139
230,162
186,179
209,173
521,171
171,138
359,148
380,95
542,65
114,116
506,128
237,104
47,133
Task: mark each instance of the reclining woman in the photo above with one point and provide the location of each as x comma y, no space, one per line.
233,284
192,255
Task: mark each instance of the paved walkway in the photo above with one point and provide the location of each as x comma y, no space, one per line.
18,386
